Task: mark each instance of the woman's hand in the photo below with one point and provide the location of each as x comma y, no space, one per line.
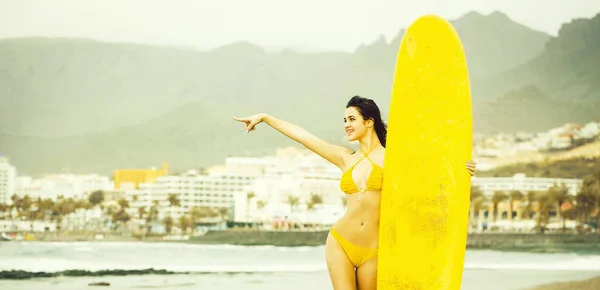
251,121
471,166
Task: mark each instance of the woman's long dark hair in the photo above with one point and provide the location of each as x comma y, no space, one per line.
369,110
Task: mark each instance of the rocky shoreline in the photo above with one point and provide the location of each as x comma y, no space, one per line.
263,238
539,243
546,243
22,275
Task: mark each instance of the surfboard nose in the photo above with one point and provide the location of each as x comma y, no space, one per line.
431,34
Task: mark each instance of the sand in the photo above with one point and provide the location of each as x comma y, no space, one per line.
590,284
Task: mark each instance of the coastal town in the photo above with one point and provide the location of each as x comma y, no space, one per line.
292,190
122,164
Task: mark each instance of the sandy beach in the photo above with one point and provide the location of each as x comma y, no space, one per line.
67,265
589,284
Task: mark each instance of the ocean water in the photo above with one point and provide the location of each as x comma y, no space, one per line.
257,267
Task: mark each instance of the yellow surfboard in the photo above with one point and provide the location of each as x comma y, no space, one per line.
425,198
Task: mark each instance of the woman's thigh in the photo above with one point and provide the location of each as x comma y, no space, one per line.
341,270
367,275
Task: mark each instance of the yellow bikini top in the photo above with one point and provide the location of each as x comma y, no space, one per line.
374,182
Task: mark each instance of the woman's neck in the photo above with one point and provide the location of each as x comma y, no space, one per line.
369,142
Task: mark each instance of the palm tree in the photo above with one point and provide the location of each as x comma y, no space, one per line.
173,200
314,199
590,195
14,207
26,204
152,215
123,204
249,196
530,198
141,211
201,212
513,196
479,205
96,197
497,198
344,200
260,204
195,214
476,200
168,222
119,215
3,208
585,203
185,223
560,195
63,207
292,201
224,213
83,204
44,208
543,202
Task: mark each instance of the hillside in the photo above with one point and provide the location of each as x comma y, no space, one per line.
530,109
191,136
559,86
567,168
61,87
507,43
567,70
58,87
93,107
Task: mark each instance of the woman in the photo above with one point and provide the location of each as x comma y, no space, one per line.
351,246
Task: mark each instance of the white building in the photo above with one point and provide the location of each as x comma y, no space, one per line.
7,180
589,130
269,181
542,141
215,190
562,141
16,225
520,182
67,185
285,191
82,219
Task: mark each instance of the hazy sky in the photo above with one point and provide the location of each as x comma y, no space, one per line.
308,24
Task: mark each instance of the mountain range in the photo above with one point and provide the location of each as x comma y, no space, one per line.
76,105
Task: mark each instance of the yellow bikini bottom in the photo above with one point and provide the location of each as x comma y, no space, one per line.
356,254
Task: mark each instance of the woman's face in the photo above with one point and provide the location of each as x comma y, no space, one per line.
355,125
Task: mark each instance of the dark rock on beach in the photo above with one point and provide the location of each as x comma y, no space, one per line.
99,284
22,275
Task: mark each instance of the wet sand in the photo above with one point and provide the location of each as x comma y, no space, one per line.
589,284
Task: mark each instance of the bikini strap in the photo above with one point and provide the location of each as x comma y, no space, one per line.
367,154
364,155
359,160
